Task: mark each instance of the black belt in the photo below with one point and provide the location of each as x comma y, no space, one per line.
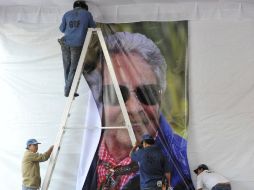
223,184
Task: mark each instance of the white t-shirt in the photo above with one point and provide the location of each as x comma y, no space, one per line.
209,179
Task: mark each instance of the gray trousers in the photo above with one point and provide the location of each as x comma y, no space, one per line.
70,57
28,188
222,187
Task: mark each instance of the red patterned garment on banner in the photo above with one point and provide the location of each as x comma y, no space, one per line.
106,167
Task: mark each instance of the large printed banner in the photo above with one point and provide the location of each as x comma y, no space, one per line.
149,60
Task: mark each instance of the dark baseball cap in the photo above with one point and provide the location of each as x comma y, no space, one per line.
201,166
147,137
31,141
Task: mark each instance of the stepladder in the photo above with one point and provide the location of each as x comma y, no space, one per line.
71,98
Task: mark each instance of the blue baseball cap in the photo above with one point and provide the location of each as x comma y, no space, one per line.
31,141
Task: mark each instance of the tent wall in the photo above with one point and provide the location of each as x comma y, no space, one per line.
221,94
221,84
114,11
32,103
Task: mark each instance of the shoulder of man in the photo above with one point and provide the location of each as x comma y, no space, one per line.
205,172
85,12
68,12
29,154
135,155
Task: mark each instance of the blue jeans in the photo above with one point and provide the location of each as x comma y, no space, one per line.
70,57
28,188
222,187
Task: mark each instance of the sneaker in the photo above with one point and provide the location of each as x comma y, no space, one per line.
75,94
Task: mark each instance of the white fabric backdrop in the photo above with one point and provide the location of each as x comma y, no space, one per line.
32,103
221,84
221,95
119,11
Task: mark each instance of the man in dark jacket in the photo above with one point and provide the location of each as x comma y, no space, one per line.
153,165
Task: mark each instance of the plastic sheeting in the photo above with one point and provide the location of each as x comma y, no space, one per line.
151,74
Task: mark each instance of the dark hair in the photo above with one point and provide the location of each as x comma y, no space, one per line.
81,4
149,141
201,166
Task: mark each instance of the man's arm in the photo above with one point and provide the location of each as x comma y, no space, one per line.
199,182
91,22
134,148
49,151
63,25
38,157
133,152
168,176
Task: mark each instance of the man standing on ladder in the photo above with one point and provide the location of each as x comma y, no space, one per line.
75,24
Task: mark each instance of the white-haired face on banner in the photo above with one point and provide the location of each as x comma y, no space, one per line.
141,89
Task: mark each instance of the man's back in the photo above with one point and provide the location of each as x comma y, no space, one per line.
210,179
152,165
75,24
